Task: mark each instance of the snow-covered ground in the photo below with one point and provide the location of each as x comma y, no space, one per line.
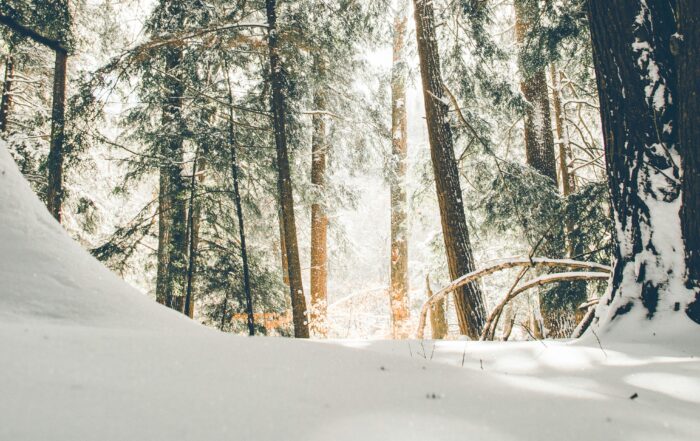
83,356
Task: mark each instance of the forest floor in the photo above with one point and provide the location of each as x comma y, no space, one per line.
83,356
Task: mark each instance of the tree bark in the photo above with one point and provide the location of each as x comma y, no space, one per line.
6,103
172,198
539,141
469,303
398,294
54,196
568,184
235,169
319,219
637,87
193,214
284,181
689,123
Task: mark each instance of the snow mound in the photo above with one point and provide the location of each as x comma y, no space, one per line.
84,357
47,276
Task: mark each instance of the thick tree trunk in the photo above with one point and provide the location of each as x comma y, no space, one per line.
398,294
539,141
638,94
6,103
469,303
54,195
172,209
689,121
284,180
319,220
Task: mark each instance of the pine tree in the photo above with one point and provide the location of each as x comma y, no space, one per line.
638,87
284,179
468,300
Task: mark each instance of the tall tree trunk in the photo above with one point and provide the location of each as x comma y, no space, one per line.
398,294
637,87
172,210
319,220
193,213
6,103
284,180
469,303
539,141
54,195
689,121
239,212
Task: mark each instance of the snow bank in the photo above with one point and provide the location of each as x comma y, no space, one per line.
83,357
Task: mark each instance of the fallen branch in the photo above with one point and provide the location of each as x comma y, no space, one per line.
500,265
492,321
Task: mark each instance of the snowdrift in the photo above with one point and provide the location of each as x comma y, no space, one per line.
83,356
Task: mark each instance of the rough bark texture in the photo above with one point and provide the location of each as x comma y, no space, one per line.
172,198
636,80
398,291
284,181
6,103
539,141
319,220
689,122
54,194
468,298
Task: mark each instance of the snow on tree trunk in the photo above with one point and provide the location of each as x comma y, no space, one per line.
688,57
469,303
398,291
284,180
319,220
637,87
54,192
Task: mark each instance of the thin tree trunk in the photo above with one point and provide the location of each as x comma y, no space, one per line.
192,215
398,295
469,303
284,180
438,322
637,87
54,195
319,220
6,103
283,247
689,133
239,213
568,185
